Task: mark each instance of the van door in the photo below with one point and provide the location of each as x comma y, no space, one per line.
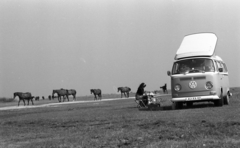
225,79
220,78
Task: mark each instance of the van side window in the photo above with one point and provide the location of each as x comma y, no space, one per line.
218,65
175,68
224,67
215,62
221,65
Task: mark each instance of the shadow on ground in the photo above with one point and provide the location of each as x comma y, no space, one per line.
169,107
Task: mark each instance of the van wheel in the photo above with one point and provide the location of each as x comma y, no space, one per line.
219,102
226,99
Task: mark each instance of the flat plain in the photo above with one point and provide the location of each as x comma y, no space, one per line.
119,123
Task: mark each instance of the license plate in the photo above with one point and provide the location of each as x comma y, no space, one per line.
193,98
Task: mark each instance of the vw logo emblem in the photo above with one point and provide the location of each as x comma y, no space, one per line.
192,84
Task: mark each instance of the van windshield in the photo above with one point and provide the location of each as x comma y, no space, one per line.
193,66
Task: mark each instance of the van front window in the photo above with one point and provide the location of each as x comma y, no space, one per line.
193,66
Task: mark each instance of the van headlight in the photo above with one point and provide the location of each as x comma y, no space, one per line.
209,85
177,87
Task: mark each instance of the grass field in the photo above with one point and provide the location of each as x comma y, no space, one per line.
119,123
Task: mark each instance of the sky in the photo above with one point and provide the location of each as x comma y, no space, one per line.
105,44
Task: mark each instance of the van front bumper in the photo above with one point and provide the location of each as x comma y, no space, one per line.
195,98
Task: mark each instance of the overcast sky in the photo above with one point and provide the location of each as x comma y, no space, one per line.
84,44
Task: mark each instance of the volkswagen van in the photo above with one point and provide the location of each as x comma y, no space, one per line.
198,74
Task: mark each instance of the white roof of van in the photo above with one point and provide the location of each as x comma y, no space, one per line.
202,44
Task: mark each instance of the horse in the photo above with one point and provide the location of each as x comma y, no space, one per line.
49,97
72,92
96,92
23,96
60,92
125,91
43,97
164,88
37,98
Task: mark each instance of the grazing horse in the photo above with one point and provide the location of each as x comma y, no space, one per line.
96,92
37,98
72,92
60,92
49,97
164,88
23,96
125,91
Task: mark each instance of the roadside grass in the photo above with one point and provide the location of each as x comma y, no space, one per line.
119,123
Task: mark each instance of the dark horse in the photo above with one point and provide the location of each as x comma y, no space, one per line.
72,92
96,92
50,97
164,88
23,96
125,91
37,98
60,92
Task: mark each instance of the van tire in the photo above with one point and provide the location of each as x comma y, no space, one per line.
226,100
219,102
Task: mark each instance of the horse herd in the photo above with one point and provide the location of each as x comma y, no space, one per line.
62,94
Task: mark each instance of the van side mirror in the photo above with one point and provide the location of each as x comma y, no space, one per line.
220,69
169,73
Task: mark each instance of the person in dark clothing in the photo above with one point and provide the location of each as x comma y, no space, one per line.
164,88
139,94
